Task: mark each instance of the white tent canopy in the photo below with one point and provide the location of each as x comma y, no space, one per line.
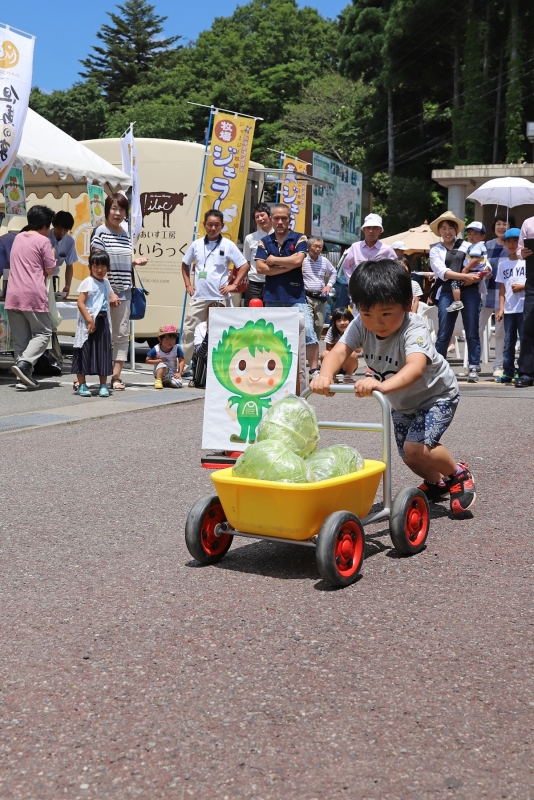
55,163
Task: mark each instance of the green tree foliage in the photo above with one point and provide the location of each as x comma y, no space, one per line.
132,46
404,86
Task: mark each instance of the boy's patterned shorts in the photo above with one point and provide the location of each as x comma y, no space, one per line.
427,425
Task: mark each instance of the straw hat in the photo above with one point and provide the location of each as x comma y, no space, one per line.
447,216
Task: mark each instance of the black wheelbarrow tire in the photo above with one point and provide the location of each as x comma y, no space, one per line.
200,537
340,547
409,521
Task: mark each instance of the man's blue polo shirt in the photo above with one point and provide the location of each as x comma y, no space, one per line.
287,288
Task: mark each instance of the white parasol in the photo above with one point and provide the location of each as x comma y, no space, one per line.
507,192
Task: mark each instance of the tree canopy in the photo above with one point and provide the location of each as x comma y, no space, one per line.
394,88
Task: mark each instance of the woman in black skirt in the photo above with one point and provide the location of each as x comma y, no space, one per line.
93,350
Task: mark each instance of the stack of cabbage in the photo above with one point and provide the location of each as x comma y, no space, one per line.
286,448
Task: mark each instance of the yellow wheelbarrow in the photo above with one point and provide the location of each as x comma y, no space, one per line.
328,515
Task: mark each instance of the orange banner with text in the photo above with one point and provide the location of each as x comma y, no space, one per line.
293,193
225,179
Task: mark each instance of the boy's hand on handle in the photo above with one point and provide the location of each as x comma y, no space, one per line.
91,327
321,385
366,387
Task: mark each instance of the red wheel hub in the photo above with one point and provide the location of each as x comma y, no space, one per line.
416,521
211,543
349,549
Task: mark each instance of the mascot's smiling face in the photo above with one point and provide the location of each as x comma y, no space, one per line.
258,373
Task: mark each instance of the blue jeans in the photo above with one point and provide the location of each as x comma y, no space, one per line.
311,338
513,328
470,317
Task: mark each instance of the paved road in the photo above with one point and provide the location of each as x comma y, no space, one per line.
129,671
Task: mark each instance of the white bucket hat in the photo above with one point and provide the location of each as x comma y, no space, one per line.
373,221
399,245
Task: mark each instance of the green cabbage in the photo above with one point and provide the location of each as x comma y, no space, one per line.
293,423
271,461
332,462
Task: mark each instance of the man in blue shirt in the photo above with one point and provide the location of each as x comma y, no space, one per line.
64,247
279,257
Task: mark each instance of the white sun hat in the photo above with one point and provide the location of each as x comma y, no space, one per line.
373,221
399,245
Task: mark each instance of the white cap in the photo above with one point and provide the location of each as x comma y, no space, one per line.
373,220
399,245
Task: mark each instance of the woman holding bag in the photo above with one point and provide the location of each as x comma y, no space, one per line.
116,242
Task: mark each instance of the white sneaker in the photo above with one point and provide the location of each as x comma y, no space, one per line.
472,376
456,305
498,373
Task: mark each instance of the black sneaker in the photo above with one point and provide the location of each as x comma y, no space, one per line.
462,491
23,371
434,491
523,381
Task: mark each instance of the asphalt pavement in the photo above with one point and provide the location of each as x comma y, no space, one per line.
127,670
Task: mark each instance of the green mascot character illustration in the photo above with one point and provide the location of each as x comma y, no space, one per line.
254,362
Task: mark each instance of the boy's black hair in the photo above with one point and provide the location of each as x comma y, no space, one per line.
63,219
39,217
98,258
375,282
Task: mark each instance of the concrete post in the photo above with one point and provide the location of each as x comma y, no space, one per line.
456,200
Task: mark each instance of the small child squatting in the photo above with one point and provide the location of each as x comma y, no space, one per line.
418,382
168,359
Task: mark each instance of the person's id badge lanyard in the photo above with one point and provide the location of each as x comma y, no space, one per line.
203,273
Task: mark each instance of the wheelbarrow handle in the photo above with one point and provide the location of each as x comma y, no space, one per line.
384,428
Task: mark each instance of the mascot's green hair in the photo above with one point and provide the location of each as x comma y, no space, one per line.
259,336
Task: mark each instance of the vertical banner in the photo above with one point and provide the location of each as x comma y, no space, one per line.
16,65
252,363
96,205
129,166
293,192
15,193
225,179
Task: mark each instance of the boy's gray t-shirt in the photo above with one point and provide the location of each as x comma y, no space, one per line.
387,356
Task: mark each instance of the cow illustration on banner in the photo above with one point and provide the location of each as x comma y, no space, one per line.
225,179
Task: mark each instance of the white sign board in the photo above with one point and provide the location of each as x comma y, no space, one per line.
252,363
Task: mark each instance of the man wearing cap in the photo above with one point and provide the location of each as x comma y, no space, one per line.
525,364
370,249
400,247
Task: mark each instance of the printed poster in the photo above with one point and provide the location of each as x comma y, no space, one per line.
96,205
15,193
16,66
252,363
5,334
225,179
293,192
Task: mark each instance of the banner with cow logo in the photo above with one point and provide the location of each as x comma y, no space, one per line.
130,167
16,65
292,192
225,179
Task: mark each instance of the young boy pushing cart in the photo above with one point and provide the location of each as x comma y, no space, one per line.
406,367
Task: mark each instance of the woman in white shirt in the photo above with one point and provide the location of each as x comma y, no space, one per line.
446,259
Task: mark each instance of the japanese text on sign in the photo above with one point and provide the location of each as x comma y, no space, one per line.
226,171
